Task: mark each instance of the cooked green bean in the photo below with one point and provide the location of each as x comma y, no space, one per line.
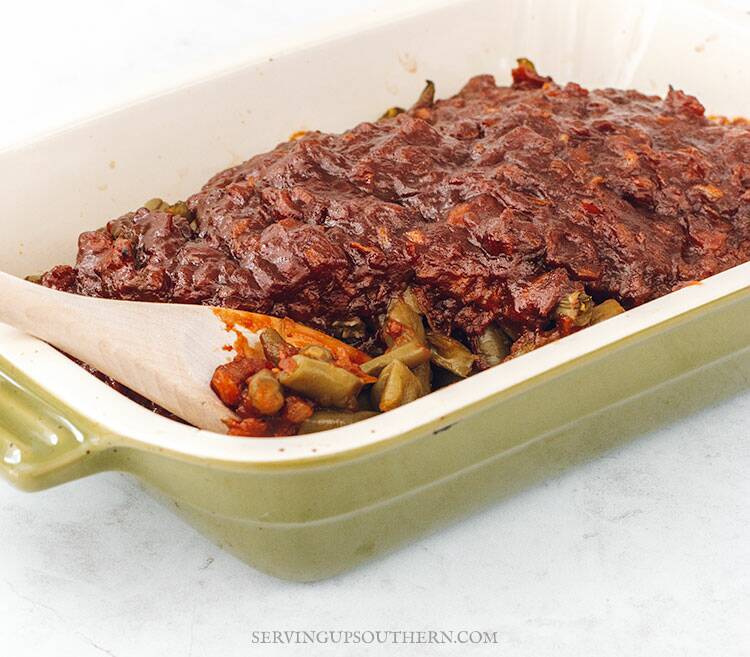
411,354
264,393
427,97
318,353
412,300
605,310
526,63
493,345
424,373
577,306
160,205
323,382
154,204
396,385
450,354
401,311
180,208
274,346
391,112
323,420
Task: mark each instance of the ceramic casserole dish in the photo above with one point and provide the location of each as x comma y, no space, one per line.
308,507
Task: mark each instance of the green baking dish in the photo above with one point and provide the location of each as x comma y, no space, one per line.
309,507
323,503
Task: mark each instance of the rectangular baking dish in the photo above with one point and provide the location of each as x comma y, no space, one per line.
308,507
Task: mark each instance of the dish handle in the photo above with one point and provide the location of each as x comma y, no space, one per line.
39,446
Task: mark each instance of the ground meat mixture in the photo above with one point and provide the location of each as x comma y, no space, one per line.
491,206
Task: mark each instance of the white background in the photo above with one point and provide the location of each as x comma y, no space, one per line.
644,551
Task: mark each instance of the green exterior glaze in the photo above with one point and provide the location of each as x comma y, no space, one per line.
42,442
314,519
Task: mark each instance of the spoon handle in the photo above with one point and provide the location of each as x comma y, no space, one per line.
165,352
42,312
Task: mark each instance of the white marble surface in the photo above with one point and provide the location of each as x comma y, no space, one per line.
645,551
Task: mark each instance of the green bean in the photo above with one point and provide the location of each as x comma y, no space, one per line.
396,385
404,311
411,354
322,382
526,63
401,311
318,353
391,112
264,393
160,205
326,419
427,97
576,306
493,345
180,208
274,346
154,204
605,310
411,299
450,354
424,373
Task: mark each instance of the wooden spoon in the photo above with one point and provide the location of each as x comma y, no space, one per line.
165,352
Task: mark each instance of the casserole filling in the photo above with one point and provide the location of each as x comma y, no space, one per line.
440,240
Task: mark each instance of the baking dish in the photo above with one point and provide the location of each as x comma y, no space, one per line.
311,506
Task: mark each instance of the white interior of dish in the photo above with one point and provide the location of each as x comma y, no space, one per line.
170,144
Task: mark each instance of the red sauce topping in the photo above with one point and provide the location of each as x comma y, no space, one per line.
491,205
